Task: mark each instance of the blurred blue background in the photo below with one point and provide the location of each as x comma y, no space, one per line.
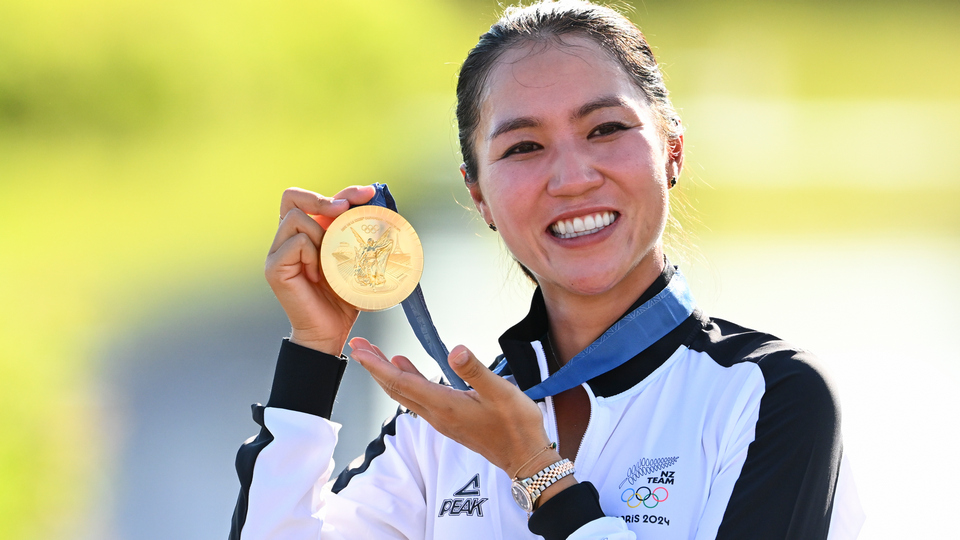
144,146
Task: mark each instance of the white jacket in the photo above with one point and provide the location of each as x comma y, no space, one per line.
715,431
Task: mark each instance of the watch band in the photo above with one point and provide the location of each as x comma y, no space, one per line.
532,487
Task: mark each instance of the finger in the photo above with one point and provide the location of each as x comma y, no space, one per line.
297,254
296,222
474,373
379,352
400,378
357,194
404,364
403,382
312,203
363,344
364,347
319,205
354,195
403,387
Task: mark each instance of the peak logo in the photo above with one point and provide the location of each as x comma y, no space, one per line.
466,500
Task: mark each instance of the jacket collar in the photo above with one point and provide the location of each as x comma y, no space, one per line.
517,345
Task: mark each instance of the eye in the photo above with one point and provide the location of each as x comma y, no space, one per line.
607,129
524,147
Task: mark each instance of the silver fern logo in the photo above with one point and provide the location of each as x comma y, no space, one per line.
646,467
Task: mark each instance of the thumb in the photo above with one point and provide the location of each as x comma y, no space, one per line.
471,370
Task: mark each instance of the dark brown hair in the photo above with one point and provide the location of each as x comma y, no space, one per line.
547,20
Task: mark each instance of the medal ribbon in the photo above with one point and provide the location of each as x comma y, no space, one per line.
629,336
415,308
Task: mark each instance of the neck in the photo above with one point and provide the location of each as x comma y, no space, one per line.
577,320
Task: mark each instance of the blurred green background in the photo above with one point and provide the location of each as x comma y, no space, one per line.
144,146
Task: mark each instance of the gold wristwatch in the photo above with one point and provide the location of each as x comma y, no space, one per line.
526,491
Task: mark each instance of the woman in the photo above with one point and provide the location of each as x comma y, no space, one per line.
679,426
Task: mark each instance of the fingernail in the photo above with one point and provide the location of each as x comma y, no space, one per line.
339,201
460,358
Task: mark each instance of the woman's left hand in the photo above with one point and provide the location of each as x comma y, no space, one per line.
494,419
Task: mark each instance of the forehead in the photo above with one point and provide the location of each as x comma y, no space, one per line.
545,77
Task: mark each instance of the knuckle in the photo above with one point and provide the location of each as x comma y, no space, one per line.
270,272
288,195
302,240
295,214
472,370
394,388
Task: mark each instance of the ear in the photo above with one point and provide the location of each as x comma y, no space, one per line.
473,186
674,157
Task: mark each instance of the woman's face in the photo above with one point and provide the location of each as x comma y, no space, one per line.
572,169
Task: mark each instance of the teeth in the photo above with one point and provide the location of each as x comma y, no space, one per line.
580,226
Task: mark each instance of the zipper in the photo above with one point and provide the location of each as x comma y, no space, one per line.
583,440
556,424
556,427
553,413
548,401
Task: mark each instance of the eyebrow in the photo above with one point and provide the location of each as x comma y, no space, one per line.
599,103
531,122
514,124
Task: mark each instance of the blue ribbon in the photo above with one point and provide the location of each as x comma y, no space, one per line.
415,308
629,336
632,334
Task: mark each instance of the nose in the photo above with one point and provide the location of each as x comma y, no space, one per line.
573,173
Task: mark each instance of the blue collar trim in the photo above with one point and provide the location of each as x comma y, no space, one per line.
629,336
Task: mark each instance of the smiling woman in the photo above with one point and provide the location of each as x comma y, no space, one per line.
618,410
565,136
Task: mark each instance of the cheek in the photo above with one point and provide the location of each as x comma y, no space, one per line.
653,205
631,159
658,216
509,192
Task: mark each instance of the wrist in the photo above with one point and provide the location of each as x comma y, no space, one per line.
536,465
324,344
528,492
555,489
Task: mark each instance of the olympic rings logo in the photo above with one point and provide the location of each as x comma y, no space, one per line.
643,498
370,228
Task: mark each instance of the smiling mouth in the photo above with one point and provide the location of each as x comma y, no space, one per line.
583,225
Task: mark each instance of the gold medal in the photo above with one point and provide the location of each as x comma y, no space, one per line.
371,257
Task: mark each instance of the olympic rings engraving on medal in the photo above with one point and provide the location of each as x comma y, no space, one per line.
655,495
370,229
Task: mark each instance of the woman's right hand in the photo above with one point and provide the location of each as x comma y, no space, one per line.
320,319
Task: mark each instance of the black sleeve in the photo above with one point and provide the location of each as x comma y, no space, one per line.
566,512
786,486
305,380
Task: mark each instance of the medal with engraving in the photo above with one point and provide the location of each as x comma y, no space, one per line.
371,257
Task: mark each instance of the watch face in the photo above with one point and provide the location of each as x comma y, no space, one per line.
522,497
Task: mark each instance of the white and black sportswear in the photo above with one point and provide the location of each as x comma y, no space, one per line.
714,431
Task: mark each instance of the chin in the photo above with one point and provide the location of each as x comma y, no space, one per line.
622,280
593,285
